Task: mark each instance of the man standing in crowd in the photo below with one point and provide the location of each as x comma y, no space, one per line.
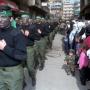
12,53
27,29
41,43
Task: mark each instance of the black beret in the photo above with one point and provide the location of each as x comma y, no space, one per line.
3,7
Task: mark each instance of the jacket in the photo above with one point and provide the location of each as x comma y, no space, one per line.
14,52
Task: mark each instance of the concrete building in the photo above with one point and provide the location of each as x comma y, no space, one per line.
85,9
55,9
76,9
68,9
34,7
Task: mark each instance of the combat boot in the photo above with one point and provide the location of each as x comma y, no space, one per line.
33,82
41,67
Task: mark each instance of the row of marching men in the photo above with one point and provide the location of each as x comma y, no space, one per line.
39,35
77,49
25,43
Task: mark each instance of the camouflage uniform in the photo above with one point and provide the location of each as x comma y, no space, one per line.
70,64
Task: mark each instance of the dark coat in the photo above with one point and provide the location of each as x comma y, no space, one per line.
15,50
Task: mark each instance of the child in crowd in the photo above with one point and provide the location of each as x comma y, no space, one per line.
70,62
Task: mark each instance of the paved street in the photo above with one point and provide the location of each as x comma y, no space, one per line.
54,77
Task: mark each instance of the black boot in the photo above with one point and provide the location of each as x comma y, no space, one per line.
83,82
41,66
36,65
73,73
33,82
32,74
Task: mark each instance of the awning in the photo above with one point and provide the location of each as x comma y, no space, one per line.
11,4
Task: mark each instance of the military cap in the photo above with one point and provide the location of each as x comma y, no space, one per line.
43,18
38,17
24,16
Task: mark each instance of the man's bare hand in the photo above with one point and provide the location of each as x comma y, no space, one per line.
2,44
39,31
27,33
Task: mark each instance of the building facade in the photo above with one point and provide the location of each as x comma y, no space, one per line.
55,9
68,10
34,7
77,9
